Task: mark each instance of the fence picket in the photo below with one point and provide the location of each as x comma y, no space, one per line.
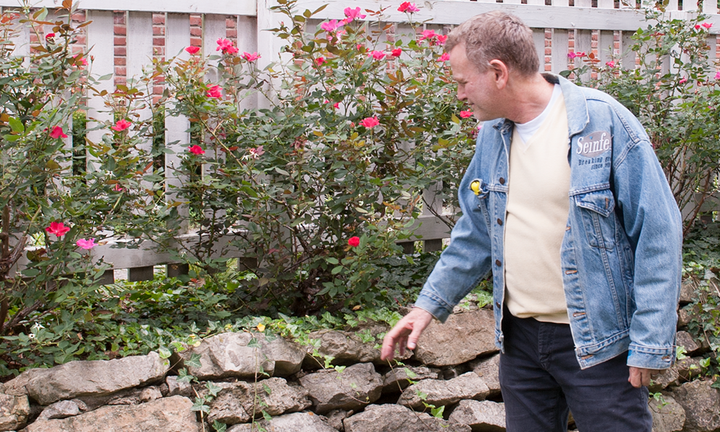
101,45
177,128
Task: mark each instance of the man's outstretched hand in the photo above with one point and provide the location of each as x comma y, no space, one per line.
405,333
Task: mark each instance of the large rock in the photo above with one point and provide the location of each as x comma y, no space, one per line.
460,339
702,406
488,370
351,389
243,355
296,422
485,416
14,411
171,414
668,415
441,392
85,378
396,418
243,401
345,348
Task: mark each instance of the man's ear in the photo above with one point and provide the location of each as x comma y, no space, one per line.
500,73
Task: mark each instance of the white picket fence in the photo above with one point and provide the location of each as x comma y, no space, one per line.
126,34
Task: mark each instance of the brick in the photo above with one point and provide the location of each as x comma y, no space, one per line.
120,70
120,81
119,18
120,29
120,50
158,19
81,39
231,22
195,20
159,30
196,31
157,41
158,51
120,61
231,33
120,40
195,41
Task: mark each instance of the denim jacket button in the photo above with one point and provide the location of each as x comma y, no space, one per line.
499,221
502,180
498,263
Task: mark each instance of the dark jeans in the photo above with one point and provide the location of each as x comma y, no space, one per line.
541,382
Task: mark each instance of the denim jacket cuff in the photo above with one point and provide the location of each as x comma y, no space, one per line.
650,358
432,305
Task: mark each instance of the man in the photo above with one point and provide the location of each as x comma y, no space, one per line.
566,205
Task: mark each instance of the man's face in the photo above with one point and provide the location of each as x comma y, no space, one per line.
474,86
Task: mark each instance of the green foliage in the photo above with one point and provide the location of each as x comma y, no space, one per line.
701,261
289,184
674,91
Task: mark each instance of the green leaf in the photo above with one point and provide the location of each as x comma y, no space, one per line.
332,260
337,270
164,353
194,361
16,125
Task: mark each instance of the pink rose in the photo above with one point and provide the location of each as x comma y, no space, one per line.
121,125
57,228
86,244
57,132
408,7
196,150
370,122
353,14
215,92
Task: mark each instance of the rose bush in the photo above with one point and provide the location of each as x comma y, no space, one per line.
361,122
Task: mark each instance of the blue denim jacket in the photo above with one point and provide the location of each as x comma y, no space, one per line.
621,252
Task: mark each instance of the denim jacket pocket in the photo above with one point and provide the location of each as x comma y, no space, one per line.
597,212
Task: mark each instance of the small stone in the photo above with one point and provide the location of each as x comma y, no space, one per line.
177,387
335,418
59,410
488,369
400,377
479,415
686,341
14,411
150,393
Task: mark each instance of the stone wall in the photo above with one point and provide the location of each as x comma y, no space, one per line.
284,388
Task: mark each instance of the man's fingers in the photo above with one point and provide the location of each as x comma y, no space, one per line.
641,377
